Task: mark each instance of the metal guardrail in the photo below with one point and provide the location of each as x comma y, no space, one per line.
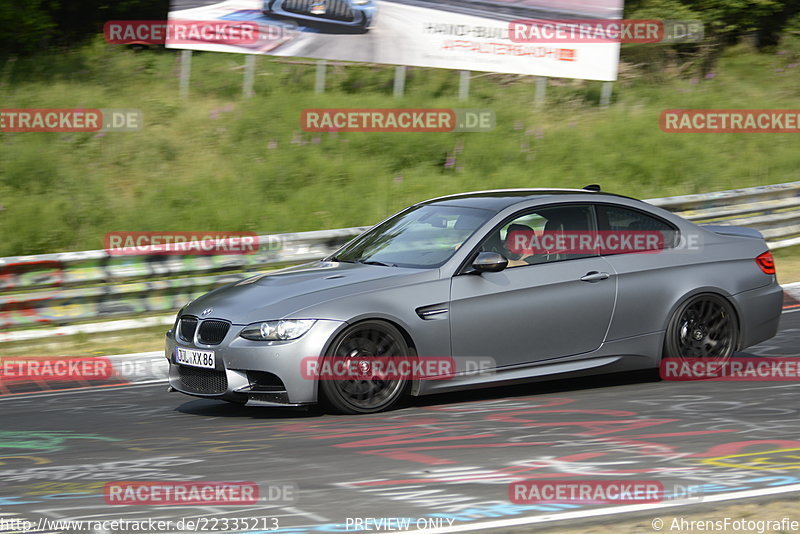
75,287
774,210
72,287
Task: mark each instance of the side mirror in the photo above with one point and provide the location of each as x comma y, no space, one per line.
489,262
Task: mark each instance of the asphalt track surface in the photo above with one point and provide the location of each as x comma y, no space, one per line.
447,457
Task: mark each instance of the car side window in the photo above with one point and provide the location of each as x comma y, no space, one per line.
545,235
649,232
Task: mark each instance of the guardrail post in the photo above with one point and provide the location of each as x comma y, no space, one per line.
399,81
249,76
322,73
186,72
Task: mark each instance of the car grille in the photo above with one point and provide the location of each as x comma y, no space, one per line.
213,332
188,327
335,9
203,380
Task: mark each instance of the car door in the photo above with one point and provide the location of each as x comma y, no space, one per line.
545,305
646,285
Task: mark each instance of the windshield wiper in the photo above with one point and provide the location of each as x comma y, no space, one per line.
371,262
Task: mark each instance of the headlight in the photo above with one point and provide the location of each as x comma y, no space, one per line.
277,330
361,2
177,319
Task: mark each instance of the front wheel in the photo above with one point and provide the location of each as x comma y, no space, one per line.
362,344
705,326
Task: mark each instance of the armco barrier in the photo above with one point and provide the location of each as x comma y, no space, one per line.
71,287
67,289
774,210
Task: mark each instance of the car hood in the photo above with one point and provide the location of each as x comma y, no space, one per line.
291,292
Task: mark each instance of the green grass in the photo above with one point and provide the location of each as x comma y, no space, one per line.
219,162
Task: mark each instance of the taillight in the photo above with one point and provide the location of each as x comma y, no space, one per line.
766,262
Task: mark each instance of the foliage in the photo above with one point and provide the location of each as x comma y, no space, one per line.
218,162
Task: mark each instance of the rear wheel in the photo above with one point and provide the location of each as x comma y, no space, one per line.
705,326
361,344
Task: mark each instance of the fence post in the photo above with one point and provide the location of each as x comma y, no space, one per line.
605,94
399,81
463,85
541,91
249,76
186,72
322,72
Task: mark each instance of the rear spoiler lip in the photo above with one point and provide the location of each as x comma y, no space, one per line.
736,231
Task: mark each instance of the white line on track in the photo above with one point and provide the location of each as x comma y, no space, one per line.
771,387
615,510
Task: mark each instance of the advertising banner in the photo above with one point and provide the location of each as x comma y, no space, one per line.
554,38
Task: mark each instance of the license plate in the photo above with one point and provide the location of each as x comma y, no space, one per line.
195,358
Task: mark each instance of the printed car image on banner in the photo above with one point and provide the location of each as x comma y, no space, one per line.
470,35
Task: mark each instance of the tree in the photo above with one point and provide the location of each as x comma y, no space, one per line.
27,26
725,21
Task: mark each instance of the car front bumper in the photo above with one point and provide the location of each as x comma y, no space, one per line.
255,373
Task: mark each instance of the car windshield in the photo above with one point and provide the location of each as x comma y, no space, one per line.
424,237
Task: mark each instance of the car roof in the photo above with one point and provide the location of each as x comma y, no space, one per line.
500,199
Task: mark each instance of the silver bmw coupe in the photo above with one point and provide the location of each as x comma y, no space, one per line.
495,288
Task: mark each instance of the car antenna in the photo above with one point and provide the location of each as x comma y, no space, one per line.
593,187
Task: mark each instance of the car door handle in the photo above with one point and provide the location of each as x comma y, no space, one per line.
594,276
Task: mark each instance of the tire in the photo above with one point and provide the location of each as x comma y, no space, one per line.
705,326
363,341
